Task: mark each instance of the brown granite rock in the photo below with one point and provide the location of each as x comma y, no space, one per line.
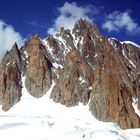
38,70
112,101
74,82
10,79
112,91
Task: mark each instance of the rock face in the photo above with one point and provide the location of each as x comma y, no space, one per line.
38,69
10,79
86,67
113,102
74,81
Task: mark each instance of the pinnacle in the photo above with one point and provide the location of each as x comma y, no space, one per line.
15,47
36,36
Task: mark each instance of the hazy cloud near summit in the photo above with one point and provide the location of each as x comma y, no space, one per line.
69,13
117,21
8,36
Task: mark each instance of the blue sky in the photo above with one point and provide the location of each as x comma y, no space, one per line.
115,18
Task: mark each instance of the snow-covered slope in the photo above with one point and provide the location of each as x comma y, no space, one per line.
42,119
130,42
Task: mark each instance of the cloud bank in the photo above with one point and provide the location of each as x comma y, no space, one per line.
69,13
8,36
117,21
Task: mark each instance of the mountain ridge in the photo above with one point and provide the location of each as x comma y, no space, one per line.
86,66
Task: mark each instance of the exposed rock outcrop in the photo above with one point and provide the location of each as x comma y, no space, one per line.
74,82
38,69
10,79
112,101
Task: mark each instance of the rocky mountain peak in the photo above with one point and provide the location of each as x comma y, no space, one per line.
38,68
84,28
15,47
10,75
85,66
11,56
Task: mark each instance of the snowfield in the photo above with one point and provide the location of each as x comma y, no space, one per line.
42,119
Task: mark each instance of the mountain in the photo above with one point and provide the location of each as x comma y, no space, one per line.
84,66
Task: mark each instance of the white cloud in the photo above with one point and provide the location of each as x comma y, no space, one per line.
36,24
8,36
69,13
117,21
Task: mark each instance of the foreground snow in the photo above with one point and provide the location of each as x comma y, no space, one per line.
42,119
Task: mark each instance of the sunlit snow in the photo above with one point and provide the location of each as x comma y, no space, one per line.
135,104
128,59
130,42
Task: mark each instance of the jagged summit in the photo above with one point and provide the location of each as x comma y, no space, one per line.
85,66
